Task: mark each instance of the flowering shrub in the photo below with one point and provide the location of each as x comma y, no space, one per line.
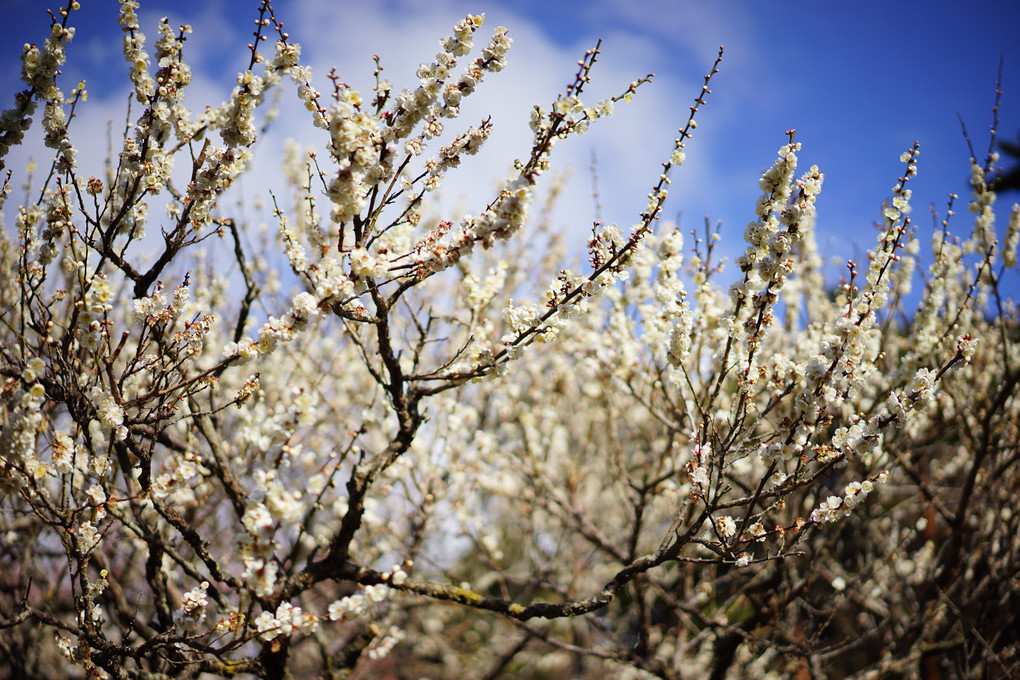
451,453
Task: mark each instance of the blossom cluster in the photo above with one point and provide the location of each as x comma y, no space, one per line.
835,507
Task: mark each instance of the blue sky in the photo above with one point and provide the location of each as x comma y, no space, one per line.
860,82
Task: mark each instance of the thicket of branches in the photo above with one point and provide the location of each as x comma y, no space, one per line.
450,453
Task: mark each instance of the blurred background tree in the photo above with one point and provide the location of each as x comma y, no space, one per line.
1009,180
